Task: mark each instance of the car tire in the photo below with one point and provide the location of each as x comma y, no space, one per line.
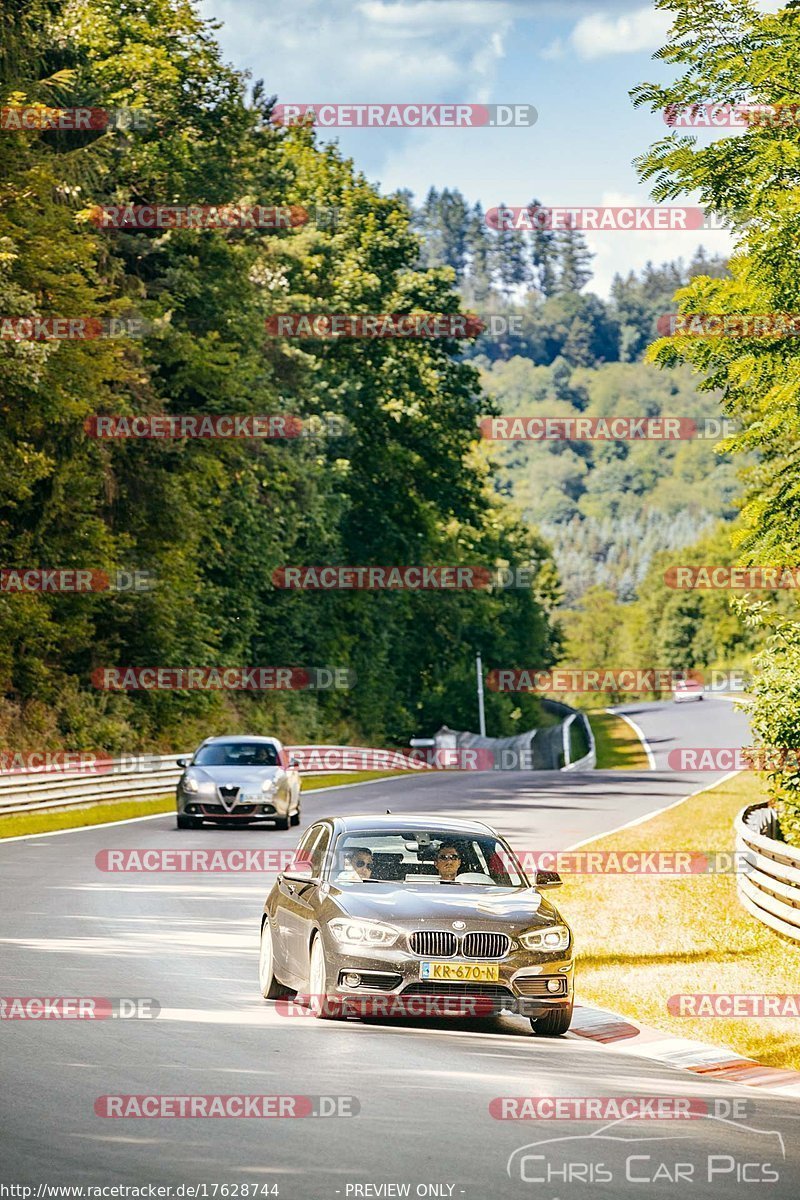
322,1007
271,988
554,1024
295,817
185,822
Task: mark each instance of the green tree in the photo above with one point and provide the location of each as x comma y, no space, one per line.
729,51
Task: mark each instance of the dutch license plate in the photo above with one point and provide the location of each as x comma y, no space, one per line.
453,972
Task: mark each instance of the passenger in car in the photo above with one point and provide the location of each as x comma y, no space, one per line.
357,864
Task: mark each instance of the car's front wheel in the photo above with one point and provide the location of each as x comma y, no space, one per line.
271,988
295,817
320,1003
554,1024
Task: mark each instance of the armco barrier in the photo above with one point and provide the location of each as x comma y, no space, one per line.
140,778
588,761
769,884
147,776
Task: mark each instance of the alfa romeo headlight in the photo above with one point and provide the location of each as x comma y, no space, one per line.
363,933
190,784
551,937
269,785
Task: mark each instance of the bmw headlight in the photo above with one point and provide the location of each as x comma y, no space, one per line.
363,934
190,784
551,937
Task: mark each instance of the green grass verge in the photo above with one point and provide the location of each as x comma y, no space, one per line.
121,810
618,746
641,938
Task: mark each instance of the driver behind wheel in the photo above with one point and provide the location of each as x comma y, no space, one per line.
448,862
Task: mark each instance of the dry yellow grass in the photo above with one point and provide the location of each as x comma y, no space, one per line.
618,746
642,939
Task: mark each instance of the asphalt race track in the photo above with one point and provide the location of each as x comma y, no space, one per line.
190,942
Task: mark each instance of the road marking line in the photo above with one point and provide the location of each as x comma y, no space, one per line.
651,758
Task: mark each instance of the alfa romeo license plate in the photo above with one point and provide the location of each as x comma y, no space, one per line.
453,972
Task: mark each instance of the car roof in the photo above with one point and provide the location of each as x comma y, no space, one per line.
422,821
241,737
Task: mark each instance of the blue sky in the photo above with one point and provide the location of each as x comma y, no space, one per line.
575,60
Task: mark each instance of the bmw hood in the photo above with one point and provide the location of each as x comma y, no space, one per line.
444,903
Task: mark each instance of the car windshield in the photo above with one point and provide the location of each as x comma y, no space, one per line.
423,857
237,754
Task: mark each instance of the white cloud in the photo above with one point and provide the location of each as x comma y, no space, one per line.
427,16
618,252
601,34
313,50
554,50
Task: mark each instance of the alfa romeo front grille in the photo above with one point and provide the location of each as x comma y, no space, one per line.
228,793
433,943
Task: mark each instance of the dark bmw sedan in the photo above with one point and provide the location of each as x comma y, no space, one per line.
410,907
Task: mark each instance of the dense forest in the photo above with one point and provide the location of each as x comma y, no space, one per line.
607,507
401,482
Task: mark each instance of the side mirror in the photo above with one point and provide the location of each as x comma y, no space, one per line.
301,876
184,762
301,870
294,762
548,879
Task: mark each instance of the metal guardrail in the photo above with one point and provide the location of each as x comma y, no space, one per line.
588,761
769,887
147,776
140,778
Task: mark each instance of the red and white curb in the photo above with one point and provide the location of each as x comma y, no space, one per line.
713,1062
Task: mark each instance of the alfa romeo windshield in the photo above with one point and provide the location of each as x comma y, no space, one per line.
237,754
